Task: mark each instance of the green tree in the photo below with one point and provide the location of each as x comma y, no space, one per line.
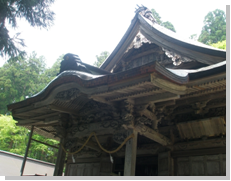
220,45
50,73
214,29
36,12
101,58
166,24
14,139
21,78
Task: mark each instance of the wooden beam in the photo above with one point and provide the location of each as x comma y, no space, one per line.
44,143
201,144
75,131
223,104
46,121
150,133
61,109
151,116
155,98
167,85
189,100
148,114
130,155
200,152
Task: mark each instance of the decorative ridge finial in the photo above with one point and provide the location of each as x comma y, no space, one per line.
144,11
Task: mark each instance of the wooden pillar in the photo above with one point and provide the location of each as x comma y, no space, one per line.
27,149
59,164
130,155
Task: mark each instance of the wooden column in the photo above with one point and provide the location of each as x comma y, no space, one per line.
130,155
59,164
27,149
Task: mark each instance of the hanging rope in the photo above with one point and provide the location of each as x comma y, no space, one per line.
93,133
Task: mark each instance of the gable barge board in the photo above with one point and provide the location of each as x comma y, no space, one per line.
213,57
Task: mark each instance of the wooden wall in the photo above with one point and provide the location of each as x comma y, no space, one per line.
207,165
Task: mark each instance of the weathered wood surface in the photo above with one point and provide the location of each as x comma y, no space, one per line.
154,98
150,133
59,164
205,127
166,85
192,145
130,155
86,131
165,163
201,165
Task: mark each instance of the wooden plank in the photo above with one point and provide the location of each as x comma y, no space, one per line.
130,155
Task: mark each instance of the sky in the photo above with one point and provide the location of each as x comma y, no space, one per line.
89,27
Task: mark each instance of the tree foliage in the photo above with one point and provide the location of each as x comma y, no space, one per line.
214,29
166,24
35,12
14,139
21,78
220,45
101,58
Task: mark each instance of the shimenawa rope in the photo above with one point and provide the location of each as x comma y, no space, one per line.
93,133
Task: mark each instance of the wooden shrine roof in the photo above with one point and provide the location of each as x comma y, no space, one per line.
168,40
73,92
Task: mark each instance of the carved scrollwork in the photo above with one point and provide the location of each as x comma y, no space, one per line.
107,124
70,143
176,58
119,136
78,128
143,120
68,95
